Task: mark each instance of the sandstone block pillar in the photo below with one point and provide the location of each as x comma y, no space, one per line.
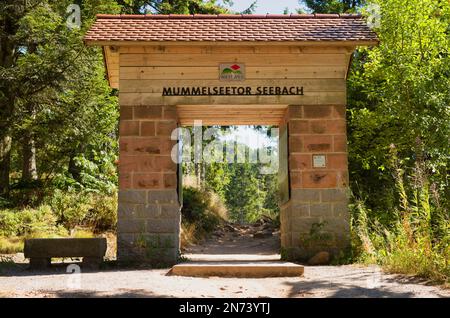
316,217
149,211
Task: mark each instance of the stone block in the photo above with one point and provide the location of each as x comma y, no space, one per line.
147,112
147,180
125,181
295,144
342,180
159,240
300,161
339,111
162,196
334,195
170,180
125,239
170,112
295,111
337,161
129,128
338,225
303,225
300,210
305,195
298,127
336,126
126,113
317,111
126,210
165,128
321,210
165,163
340,143
131,226
317,143
340,210
148,128
295,178
319,126
132,196
163,225
319,179
147,211
170,211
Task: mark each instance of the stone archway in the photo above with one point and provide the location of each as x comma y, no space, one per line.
289,70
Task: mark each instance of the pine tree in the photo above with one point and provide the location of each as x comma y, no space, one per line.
333,6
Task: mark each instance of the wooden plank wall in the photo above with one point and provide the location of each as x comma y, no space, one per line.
144,71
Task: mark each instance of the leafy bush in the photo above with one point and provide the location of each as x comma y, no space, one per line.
102,215
60,214
202,208
98,212
69,208
28,222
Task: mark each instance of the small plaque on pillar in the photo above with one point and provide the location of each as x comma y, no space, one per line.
319,161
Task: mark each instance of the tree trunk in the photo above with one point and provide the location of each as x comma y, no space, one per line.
73,169
29,172
5,162
197,170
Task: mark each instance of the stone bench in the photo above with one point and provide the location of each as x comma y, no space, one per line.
41,251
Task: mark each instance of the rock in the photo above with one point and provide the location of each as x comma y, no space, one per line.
267,226
262,234
257,223
229,228
321,258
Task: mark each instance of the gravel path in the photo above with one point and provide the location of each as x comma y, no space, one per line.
323,281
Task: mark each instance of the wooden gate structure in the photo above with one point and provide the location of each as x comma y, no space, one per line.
284,70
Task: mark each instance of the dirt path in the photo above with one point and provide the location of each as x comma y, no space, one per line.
318,281
260,241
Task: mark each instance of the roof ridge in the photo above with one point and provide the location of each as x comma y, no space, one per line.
230,16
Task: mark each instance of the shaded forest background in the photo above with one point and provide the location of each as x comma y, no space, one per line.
59,128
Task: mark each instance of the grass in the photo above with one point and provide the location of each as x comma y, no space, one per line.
11,245
417,240
202,211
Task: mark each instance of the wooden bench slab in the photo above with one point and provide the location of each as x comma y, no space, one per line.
41,251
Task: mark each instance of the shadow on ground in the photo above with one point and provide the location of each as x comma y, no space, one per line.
363,283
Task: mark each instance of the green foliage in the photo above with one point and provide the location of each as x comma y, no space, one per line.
333,6
29,222
175,7
399,95
245,196
200,208
417,240
91,210
60,214
11,245
58,101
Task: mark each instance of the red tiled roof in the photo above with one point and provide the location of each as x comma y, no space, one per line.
231,28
